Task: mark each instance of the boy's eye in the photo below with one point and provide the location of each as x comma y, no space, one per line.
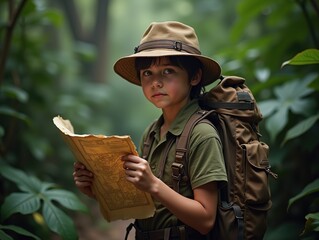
168,71
146,73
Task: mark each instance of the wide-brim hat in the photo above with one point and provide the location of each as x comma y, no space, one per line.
167,39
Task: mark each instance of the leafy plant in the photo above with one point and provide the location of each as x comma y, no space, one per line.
289,97
310,56
35,195
312,219
14,228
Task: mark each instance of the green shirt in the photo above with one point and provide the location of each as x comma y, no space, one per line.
205,163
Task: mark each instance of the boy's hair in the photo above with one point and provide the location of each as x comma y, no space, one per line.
191,64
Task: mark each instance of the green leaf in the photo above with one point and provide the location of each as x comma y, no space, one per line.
309,189
4,236
312,223
23,203
292,91
54,17
290,97
4,110
58,221
309,56
313,216
267,107
25,182
66,199
11,173
315,84
300,128
248,10
45,186
276,122
19,230
15,93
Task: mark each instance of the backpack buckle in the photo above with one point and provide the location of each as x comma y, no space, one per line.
177,170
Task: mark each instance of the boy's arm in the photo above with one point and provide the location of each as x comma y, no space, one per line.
199,213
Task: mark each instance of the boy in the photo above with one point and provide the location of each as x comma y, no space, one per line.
172,72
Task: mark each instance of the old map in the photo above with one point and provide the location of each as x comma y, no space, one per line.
101,154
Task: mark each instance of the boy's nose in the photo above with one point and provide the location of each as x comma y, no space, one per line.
158,81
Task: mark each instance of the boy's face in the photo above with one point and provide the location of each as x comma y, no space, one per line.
165,85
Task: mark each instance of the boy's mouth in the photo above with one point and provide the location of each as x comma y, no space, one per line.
158,95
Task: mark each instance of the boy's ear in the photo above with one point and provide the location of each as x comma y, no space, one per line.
197,78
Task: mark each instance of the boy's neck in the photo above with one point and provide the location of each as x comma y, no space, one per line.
169,115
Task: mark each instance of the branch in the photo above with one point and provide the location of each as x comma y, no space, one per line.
13,17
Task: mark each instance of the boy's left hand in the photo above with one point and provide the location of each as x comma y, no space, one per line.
138,172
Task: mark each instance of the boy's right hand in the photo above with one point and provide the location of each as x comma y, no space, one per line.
83,179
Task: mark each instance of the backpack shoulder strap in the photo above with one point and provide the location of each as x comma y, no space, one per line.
148,142
179,166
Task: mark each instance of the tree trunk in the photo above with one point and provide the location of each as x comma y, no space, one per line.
95,70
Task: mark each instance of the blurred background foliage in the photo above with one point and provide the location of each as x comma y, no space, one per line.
57,58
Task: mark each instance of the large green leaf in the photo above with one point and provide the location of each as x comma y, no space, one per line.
301,128
66,199
24,203
17,229
309,189
25,182
58,221
291,92
289,97
309,56
312,223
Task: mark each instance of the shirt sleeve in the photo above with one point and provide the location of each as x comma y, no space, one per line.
206,161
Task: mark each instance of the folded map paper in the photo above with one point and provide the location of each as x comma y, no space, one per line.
118,198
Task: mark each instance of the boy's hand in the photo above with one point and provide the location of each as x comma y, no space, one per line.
139,173
83,179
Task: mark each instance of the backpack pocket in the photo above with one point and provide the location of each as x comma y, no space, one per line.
255,156
257,191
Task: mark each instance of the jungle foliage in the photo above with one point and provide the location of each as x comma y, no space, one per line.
51,64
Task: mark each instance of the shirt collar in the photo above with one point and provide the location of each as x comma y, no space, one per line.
180,121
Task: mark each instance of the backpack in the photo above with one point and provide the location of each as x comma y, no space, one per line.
245,200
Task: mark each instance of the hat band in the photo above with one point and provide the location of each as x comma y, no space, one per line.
169,44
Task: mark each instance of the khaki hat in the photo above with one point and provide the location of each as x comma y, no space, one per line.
167,39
